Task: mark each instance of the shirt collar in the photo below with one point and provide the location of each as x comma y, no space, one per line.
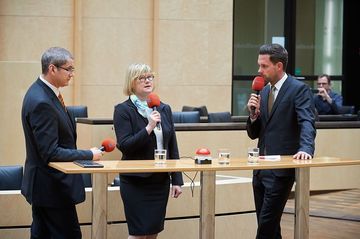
53,88
281,82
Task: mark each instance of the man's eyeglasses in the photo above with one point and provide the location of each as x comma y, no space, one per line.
320,84
69,70
144,78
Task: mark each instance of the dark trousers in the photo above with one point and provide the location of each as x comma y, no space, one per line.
270,193
55,223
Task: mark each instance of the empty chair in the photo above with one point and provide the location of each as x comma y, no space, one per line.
186,117
218,117
77,111
188,108
202,109
11,177
346,109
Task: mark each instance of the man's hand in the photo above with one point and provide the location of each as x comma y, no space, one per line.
302,155
254,102
97,153
175,191
324,94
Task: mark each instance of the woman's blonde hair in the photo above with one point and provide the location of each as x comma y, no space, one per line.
133,72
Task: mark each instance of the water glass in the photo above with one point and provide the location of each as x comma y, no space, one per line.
160,156
224,156
253,155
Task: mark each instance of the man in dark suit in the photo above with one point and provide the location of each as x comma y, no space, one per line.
284,123
50,136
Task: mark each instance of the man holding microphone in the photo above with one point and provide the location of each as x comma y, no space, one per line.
282,118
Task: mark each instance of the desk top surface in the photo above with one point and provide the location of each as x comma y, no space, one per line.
226,126
187,165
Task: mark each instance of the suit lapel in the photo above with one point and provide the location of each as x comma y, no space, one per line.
266,101
279,97
53,98
281,93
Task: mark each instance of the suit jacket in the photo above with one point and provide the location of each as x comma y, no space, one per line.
324,108
289,127
50,136
134,141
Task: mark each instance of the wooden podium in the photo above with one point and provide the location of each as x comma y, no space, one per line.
207,181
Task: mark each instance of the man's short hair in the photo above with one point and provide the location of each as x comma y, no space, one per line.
327,77
55,55
277,53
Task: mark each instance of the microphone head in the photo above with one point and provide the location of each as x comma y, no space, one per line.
153,100
108,144
258,83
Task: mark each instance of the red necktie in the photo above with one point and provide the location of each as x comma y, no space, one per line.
62,101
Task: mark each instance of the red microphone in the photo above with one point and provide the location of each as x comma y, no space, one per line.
108,145
257,85
153,101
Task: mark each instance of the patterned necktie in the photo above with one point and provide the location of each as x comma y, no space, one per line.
61,99
271,98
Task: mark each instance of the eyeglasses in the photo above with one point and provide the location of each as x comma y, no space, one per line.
69,70
322,83
143,78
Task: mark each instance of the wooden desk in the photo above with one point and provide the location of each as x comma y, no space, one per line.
207,180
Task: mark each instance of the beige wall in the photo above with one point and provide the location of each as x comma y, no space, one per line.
188,43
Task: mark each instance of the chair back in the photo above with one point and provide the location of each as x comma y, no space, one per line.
186,117
218,117
78,111
202,109
11,177
346,109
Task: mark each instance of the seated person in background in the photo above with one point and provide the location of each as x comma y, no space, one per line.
326,101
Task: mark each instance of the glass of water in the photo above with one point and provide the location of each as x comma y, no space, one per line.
160,156
224,156
253,155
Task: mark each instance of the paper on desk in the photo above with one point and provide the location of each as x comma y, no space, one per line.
270,158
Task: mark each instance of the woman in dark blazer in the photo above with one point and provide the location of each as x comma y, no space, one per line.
145,195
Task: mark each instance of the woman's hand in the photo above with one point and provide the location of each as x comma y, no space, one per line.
154,118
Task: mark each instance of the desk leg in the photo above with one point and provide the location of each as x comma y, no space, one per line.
99,206
207,205
302,197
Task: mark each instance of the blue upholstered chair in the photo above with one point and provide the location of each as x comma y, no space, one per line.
202,109
218,117
186,117
346,109
11,177
77,111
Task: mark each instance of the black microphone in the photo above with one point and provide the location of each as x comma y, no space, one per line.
257,85
153,101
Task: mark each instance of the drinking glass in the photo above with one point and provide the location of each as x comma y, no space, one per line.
160,156
253,155
224,156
